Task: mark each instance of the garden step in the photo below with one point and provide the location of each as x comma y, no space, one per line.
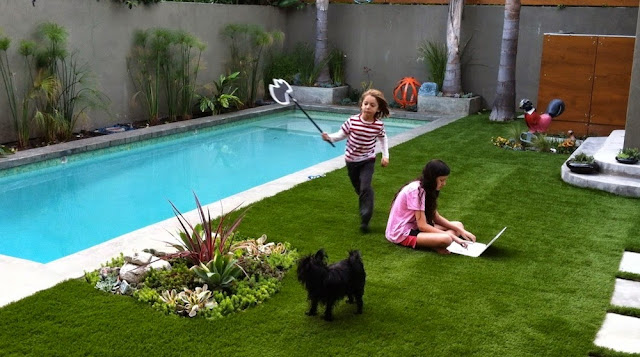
630,262
614,177
617,184
605,156
626,293
620,333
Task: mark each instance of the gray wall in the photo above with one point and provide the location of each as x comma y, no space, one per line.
102,33
385,38
381,37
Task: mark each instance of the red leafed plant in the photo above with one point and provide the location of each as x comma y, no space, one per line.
198,244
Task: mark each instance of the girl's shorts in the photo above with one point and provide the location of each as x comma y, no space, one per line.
411,239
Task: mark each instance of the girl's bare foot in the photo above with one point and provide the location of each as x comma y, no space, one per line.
442,250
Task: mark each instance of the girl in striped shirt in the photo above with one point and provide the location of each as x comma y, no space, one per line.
361,131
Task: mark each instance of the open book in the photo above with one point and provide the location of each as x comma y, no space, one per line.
473,249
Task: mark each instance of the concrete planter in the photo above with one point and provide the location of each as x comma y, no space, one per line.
320,95
449,106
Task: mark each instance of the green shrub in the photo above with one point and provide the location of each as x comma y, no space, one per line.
582,158
629,153
178,277
434,54
147,295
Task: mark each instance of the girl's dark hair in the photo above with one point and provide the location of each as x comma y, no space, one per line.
383,106
432,170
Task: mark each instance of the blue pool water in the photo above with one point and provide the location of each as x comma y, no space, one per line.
66,205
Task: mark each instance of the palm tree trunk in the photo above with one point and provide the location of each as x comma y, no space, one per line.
504,106
452,83
322,47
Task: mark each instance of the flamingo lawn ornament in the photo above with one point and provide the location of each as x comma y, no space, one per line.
539,123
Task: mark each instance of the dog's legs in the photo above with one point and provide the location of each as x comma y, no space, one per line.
328,312
313,311
359,304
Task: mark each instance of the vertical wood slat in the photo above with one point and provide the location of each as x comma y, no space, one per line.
566,72
591,74
612,78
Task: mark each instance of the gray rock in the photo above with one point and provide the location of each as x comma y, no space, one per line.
139,258
428,89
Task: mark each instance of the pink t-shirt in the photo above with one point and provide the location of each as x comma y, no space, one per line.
402,218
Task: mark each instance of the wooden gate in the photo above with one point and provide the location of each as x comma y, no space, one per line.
591,74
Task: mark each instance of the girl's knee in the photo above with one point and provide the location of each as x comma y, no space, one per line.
458,224
446,240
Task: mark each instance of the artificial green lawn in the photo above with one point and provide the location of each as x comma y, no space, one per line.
542,290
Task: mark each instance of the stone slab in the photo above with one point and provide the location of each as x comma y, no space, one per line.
630,262
611,180
449,106
620,333
606,156
626,293
319,95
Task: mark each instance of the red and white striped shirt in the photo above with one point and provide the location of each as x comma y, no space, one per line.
361,138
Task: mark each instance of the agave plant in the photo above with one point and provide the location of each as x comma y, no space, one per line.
189,302
198,244
220,272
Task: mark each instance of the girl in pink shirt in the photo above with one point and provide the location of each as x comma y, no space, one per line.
361,131
414,220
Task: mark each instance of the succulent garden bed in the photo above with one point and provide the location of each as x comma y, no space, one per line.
211,272
249,274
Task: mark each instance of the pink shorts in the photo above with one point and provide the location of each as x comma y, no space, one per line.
410,241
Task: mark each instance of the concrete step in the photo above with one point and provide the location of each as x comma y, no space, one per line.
614,177
605,156
616,184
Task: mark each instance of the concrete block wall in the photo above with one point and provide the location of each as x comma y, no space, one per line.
381,37
102,33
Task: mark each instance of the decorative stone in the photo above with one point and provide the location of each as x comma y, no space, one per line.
132,273
448,105
428,89
139,258
138,264
158,263
320,95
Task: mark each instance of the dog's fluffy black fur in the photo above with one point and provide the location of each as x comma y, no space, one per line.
329,283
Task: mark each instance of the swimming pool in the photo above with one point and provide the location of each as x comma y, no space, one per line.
59,207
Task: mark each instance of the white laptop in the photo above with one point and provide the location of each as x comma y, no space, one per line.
473,249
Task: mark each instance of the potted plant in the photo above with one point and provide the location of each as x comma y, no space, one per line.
628,156
582,164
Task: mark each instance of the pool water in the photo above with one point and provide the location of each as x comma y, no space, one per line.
62,206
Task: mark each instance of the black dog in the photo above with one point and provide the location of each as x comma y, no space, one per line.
328,283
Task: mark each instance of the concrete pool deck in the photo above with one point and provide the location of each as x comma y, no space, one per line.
27,277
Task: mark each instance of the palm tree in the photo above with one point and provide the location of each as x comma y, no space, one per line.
322,47
452,83
504,105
